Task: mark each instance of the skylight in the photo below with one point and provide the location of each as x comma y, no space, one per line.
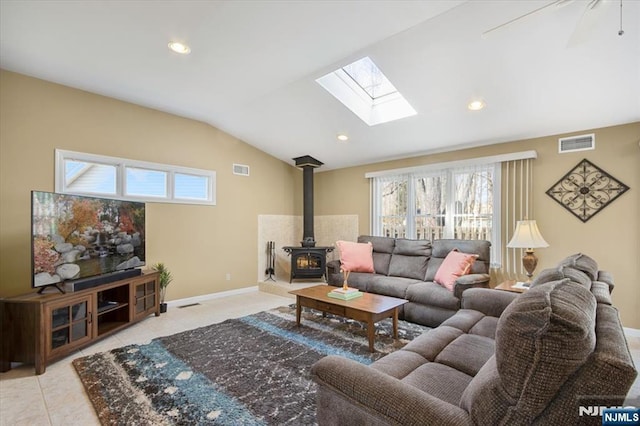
369,77
365,90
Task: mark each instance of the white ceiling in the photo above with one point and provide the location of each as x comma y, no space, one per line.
253,67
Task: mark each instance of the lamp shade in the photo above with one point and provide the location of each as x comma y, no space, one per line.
527,235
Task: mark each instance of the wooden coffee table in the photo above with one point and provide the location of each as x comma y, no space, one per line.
370,308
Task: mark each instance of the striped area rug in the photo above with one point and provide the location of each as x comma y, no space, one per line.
252,370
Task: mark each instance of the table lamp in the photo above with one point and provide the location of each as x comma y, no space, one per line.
528,237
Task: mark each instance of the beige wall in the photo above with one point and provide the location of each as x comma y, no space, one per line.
200,244
612,237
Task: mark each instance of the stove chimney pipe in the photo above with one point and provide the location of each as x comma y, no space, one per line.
307,164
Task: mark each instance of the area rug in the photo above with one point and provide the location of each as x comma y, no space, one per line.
252,370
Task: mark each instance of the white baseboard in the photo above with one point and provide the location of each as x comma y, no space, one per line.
210,296
631,331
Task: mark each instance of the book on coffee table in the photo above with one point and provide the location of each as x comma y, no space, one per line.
348,294
343,290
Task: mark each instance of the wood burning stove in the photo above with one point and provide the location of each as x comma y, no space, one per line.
308,261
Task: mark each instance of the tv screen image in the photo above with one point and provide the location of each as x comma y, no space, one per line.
76,237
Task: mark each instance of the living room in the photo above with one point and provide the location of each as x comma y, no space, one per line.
215,249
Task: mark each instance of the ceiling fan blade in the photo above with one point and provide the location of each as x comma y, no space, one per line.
527,15
592,16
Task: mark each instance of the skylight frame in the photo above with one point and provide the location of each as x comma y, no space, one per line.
372,73
383,109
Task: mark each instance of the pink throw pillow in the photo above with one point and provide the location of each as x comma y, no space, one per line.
454,265
356,257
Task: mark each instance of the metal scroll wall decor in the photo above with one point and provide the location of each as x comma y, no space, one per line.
586,190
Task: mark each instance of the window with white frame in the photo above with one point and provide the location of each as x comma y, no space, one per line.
459,202
112,177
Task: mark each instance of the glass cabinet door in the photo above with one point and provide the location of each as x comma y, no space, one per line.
145,298
70,324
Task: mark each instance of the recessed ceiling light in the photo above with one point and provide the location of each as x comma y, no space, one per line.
476,105
342,137
180,48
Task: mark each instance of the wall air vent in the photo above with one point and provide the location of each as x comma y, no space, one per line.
241,169
577,143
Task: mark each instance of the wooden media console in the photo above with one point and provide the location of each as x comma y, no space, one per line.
40,328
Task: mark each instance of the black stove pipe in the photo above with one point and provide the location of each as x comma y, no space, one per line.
307,164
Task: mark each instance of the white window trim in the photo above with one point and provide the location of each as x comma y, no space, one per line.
121,164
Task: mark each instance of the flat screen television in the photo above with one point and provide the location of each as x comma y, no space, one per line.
78,237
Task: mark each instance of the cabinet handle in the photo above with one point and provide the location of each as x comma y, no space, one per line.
90,317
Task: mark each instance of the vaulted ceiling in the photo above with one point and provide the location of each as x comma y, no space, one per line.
253,66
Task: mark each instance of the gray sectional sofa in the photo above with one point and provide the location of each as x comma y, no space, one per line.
503,359
406,268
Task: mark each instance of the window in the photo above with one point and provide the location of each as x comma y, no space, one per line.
80,173
191,187
367,92
480,198
90,177
145,183
369,77
447,203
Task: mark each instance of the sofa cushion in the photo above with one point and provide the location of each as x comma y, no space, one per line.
432,294
399,364
561,272
356,257
359,280
467,353
439,380
389,286
410,259
607,278
381,263
431,316
583,263
440,249
432,267
484,398
380,244
408,266
473,322
382,249
543,337
430,344
601,292
412,247
488,301
454,266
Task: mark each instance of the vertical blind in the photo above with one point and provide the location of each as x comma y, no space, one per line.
517,204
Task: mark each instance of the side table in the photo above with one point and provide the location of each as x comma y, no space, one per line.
509,285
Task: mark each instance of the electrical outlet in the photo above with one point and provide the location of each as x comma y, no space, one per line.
228,276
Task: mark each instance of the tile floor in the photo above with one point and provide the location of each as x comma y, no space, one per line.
57,397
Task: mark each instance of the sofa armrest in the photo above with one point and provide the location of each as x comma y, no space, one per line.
385,396
606,277
334,275
470,281
334,266
488,301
